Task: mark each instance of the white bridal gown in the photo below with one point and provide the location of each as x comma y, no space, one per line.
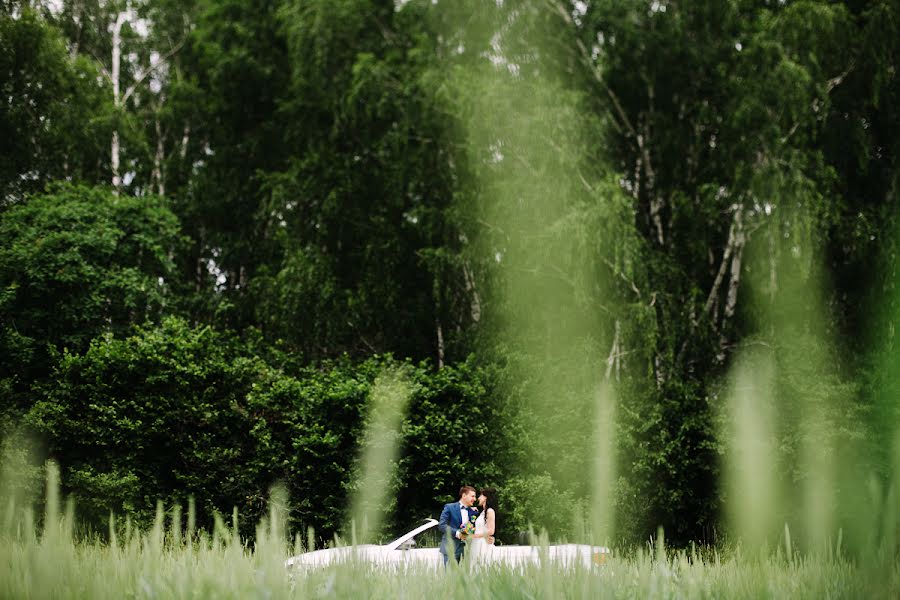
478,547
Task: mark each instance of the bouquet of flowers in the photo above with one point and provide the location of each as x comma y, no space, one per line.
468,527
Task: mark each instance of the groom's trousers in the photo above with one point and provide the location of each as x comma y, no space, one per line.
459,550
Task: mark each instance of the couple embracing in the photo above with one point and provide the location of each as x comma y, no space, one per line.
467,529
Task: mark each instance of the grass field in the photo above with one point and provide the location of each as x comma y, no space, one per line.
161,563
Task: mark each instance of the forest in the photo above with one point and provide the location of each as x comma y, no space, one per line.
222,220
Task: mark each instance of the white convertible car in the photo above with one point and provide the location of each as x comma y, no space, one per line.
405,550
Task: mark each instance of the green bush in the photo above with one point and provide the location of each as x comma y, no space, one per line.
175,411
77,262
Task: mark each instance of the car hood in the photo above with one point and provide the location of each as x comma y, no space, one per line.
328,555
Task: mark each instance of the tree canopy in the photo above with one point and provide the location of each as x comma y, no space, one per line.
217,218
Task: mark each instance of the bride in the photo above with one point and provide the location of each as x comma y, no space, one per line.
485,526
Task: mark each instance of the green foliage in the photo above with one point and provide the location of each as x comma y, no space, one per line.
545,184
357,214
51,117
458,431
177,411
77,263
670,451
726,118
534,503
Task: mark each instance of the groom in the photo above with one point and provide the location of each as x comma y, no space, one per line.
452,517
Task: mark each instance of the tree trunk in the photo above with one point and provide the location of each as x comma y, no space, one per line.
713,297
612,362
158,159
734,280
656,202
440,342
475,307
735,276
185,138
658,370
115,76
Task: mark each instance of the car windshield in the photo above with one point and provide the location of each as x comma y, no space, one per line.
424,539
427,539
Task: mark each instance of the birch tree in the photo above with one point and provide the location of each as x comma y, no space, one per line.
48,118
121,37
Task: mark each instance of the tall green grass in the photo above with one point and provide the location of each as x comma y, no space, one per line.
380,446
50,561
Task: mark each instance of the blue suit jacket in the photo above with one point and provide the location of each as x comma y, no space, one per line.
450,521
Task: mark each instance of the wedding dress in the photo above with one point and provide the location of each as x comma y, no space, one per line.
476,548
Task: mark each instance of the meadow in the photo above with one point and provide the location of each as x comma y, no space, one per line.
169,561
151,566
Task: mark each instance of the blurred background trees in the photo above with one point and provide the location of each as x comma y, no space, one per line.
214,214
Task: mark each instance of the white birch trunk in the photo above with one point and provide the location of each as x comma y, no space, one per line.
440,342
658,368
734,279
158,160
656,203
115,77
470,287
185,138
612,362
730,246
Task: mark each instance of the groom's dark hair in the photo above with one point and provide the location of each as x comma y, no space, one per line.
465,490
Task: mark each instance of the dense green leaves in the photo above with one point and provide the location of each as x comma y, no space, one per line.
53,115
177,411
629,191
77,263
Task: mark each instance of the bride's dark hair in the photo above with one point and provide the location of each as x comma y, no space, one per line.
490,501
